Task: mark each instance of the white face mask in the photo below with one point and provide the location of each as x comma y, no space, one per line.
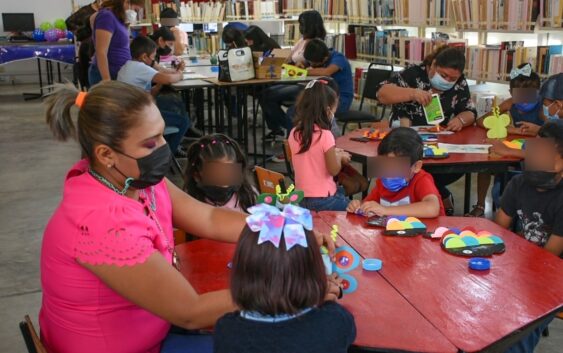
131,16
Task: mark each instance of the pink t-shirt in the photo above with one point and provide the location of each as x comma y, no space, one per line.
92,223
311,174
297,52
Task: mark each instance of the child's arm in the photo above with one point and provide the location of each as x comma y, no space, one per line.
502,150
155,90
167,78
502,219
334,160
554,245
428,207
503,108
323,71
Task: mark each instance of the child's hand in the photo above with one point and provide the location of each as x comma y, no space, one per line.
344,156
324,239
373,207
500,149
181,66
334,288
353,206
529,129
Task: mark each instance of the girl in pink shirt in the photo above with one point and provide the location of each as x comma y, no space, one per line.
106,260
217,173
316,160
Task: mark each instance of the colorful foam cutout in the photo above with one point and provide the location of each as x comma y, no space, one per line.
346,259
496,124
280,199
516,144
469,242
291,71
349,284
433,152
404,226
375,134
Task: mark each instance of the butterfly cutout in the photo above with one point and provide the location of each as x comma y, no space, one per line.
496,124
280,199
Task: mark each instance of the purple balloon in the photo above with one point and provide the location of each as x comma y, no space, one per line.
52,35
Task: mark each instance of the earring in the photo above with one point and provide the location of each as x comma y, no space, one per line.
109,166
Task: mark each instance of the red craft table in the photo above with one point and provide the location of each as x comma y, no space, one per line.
455,163
475,311
384,319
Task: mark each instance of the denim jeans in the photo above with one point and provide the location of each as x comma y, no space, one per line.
174,113
94,75
336,202
529,343
271,100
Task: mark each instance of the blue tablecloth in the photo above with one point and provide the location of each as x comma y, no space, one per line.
58,52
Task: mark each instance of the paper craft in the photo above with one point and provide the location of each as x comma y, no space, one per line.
404,226
193,76
496,124
434,152
454,148
291,71
375,134
347,259
431,130
429,137
517,144
349,283
433,111
324,251
280,199
468,242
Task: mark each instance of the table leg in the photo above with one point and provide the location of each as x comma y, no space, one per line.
243,124
467,197
209,108
214,127
59,71
30,96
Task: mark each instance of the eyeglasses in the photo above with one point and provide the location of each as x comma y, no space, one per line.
312,83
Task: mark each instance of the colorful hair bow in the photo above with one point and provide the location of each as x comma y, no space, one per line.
524,71
271,222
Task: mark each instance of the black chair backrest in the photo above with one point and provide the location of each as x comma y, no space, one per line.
374,77
26,333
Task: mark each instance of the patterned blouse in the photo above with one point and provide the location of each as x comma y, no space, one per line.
454,101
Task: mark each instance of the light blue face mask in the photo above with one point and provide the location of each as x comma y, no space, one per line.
549,117
395,184
440,83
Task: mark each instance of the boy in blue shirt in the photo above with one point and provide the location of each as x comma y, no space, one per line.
328,62
143,71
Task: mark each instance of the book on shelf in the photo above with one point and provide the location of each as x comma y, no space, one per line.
422,13
551,13
504,15
291,34
212,11
206,43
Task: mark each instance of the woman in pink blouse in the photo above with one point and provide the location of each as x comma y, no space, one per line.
108,283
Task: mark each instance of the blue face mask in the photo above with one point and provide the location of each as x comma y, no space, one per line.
549,117
526,107
440,83
394,184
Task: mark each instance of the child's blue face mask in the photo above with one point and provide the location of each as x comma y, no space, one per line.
395,184
553,117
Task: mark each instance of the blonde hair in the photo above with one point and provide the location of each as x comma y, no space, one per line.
107,113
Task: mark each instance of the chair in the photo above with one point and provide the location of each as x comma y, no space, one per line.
267,180
32,341
169,130
374,77
288,161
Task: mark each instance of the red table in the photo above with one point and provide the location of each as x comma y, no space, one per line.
384,319
473,310
455,163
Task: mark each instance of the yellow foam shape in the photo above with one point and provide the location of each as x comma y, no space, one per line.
484,233
395,226
455,243
412,219
467,233
485,240
406,225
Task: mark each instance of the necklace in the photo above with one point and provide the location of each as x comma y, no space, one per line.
108,183
153,199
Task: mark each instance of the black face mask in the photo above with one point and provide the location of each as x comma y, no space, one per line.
219,195
541,179
164,51
153,168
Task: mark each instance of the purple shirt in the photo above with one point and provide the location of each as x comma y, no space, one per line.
118,50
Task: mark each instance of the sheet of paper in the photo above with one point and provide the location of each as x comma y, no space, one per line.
193,76
453,148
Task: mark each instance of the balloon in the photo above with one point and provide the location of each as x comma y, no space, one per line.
69,35
60,24
61,34
38,35
52,35
45,26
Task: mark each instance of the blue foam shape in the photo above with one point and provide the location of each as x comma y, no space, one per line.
496,239
470,241
401,218
353,283
455,230
418,225
355,259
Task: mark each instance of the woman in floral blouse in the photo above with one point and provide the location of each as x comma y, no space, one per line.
441,72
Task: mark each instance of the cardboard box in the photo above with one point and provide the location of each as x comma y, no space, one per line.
271,66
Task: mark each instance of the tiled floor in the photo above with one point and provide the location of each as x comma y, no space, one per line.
31,175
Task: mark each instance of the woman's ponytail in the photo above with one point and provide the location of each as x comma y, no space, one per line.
58,112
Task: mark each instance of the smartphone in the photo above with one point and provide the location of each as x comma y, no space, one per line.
360,139
433,111
377,221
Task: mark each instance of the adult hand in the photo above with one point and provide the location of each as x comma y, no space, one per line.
334,288
421,96
353,206
454,125
529,129
373,207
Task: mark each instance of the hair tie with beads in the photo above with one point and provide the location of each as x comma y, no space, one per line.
79,102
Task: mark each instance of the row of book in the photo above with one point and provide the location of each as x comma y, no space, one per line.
217,11
509,15
551,13
206,43
494,62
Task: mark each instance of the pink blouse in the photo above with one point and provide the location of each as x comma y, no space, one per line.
96,225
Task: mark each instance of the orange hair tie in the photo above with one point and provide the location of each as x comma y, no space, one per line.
80,99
